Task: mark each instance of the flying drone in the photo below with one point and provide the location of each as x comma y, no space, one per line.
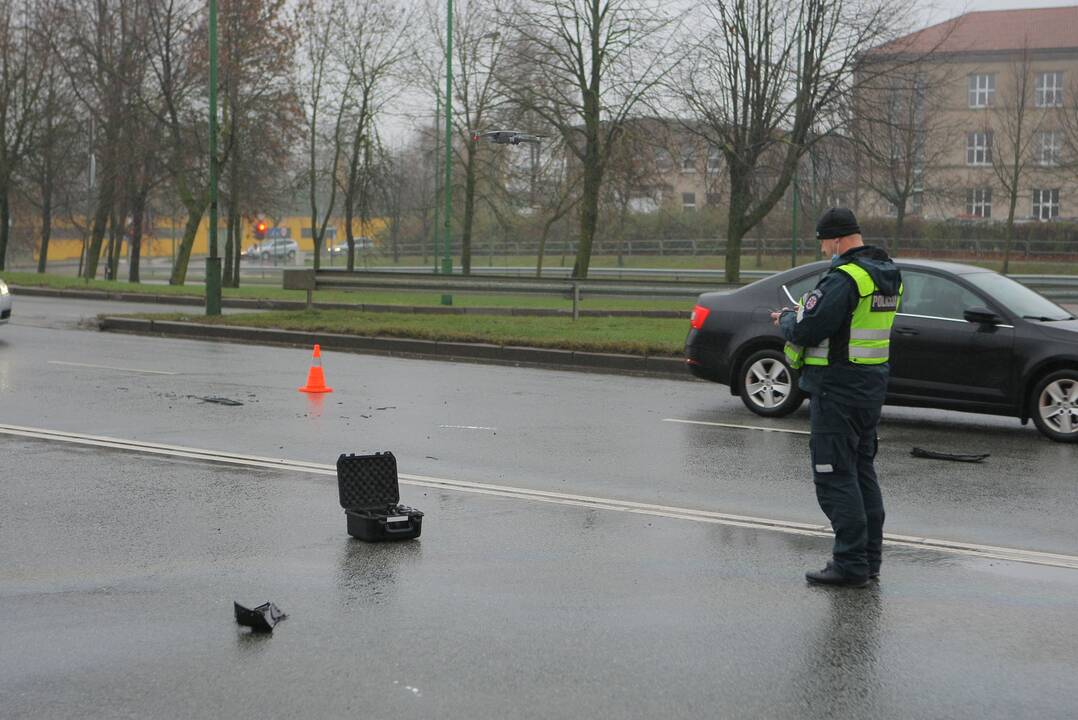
507,137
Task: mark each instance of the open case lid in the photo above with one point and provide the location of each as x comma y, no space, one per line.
368,481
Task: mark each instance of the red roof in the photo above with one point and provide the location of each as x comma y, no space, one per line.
1037,29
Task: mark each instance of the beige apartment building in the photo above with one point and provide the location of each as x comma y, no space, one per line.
991,102
994,107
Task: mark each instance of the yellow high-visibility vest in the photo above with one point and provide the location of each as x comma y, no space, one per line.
870,326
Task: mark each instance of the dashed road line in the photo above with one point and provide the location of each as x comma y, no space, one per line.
110,367
738,427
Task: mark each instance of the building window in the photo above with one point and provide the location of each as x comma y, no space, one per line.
714,160
1048,147
714,199
1045,204
688,201
663,160
979,148
688,161
979,202
1049,89
982,90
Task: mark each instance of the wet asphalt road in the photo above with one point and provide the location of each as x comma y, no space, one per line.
117,569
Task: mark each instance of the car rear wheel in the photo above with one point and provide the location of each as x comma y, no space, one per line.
1055,406
769,385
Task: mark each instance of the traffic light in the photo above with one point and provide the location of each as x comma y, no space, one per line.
260,229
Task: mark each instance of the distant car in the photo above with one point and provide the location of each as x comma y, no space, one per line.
273,249
965,338
5,302
361,243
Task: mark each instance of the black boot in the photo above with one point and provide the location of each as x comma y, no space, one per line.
830,575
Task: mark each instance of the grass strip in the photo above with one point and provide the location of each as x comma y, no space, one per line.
368,297
632,336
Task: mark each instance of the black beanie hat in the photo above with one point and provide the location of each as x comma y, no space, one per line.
837,222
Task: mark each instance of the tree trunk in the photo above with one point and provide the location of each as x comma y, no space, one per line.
589,209
740,199
106,195
900,223
183,254
5,226
237,233
119,223
138,213
1009,239
110,247
226,273
46,226
469,212
348,235
542,246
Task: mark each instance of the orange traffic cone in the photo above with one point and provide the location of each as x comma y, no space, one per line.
316,381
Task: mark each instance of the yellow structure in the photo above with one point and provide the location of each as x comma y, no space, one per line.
166,237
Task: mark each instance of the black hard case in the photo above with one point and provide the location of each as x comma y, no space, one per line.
370,496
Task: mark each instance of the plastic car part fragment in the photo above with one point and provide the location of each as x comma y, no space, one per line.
221,401
260,619
957,457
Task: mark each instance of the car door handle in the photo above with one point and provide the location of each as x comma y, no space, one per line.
905,331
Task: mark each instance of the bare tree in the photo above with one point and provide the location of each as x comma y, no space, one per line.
22,76
478,49
1011,122
584,67
373,43
322,89
101,43
178,64
259,110
765,74
46,184
901,128
633,174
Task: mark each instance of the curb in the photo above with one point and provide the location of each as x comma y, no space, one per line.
257,304
669,368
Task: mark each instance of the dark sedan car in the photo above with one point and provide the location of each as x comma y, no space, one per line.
965,338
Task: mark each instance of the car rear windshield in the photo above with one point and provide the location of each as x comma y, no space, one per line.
1016,297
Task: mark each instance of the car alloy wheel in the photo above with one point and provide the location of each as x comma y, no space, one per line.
768,385
1057,407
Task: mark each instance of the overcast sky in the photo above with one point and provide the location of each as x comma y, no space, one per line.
951,8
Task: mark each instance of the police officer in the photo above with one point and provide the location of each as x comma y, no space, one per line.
839,336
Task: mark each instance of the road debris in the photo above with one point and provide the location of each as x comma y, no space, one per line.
260,619
218,400
956,457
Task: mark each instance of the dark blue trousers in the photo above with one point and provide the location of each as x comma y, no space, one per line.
843,447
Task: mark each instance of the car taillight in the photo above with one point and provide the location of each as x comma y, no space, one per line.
699,315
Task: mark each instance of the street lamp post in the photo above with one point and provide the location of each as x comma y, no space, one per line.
213,262
437,169
447,258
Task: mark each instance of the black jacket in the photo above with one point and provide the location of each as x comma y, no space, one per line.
828,313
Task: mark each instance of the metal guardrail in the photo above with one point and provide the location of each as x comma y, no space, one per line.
1056,287
576,290
1063,288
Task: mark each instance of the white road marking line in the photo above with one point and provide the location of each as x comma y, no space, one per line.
952,547
738,427
110,367
467,427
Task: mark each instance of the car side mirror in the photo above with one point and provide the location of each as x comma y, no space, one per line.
981,316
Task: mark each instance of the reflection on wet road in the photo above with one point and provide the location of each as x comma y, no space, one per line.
581,554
